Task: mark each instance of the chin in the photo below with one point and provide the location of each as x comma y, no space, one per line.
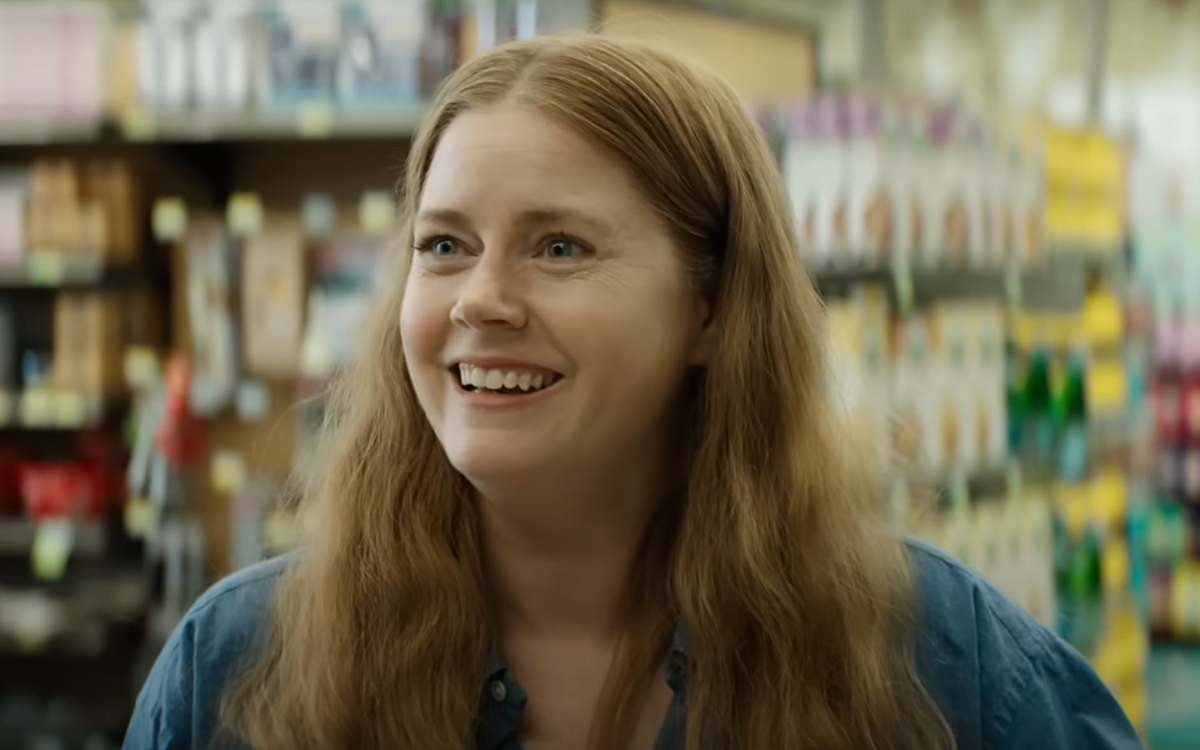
483,463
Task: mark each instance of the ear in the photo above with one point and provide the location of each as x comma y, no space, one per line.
704,340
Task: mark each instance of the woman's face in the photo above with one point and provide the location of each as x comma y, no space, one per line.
548,319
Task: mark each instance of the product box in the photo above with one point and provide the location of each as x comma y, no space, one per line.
301,54
871,196
163,53
89,343
221,56
816,171
977,178
944,219
988,379
955,446
915,400
274,290
381,53
858,332
907,162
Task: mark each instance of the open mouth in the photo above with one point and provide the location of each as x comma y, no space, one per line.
503,381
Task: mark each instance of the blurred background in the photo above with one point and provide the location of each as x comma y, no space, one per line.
999,200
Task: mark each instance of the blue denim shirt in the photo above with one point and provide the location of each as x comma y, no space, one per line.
1002,680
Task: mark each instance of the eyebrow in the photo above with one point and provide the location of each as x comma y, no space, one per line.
537,217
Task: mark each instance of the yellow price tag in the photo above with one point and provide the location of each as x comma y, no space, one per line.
70,408
282,531
137,123
139,516
244,214
37,406
314,120
377,212
227,472
142,366
46,267
169,219
52,544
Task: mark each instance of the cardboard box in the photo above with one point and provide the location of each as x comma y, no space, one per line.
274,292
89,343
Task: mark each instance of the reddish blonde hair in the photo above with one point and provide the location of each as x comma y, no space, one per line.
775,558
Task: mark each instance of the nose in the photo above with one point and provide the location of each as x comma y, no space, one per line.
489,296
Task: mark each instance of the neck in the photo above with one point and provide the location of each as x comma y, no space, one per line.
560,561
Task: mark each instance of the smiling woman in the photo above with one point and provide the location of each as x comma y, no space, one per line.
583,489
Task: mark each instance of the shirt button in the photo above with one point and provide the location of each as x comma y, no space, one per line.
499,692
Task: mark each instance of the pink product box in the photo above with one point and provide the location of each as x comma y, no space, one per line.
51,62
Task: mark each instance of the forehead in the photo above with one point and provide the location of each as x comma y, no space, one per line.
508,157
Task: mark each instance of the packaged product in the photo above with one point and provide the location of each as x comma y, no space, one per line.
871,214
814,166
915,394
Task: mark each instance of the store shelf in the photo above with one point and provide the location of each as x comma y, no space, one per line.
72,616
312,121
17,535
54,410
34,133
1053,287
52,270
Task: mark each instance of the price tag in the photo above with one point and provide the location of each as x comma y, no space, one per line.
37,406
139,517
1012,286
52,544
70,408
314,120
377,212
244,214
316,359
902,280
169,219
227,472
46,267
137,123
281,531
142,367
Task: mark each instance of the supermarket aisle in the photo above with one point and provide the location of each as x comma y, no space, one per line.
1173,680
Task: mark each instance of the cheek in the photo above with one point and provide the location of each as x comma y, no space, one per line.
641,338
422,326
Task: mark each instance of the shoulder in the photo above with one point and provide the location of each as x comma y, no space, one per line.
178,705
1003,681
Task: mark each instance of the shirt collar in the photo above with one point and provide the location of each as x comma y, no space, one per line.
502,699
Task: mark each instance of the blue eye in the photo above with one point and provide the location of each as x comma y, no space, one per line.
561,248
443,248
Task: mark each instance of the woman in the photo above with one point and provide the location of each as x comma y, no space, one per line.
584,489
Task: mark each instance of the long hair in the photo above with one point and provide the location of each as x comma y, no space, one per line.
795,598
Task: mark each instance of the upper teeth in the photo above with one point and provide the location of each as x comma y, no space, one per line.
494,380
